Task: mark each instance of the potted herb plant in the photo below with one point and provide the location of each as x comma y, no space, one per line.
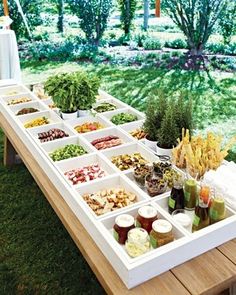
87,86
168,132
177,115
71,92
62,88
154,114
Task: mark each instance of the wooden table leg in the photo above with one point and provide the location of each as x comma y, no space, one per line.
9,156
232,290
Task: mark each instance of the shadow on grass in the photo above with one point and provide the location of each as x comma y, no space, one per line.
212,99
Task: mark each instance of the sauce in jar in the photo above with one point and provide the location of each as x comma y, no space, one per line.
161,233
123,223
138,242
190,194
146,216
217,210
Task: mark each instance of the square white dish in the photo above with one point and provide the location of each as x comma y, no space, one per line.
130,149
14,90
31,104
90,136
51,146
7,99
90,119
115,181
119,104
50,115
60,125
83,161
108,115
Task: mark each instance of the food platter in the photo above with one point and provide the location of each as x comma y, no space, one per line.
133,271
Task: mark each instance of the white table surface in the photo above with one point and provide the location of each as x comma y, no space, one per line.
9,57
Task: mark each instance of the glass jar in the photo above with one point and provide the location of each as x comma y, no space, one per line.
217,209
138,242
146,216
161,233
201,217
183,218
190,193
176,198
140,173
155,185
123,224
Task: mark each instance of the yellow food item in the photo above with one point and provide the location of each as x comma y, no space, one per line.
36,122
200,154
18,100
138,133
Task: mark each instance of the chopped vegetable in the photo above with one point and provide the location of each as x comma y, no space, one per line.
123,118
68,151
88,127
105,107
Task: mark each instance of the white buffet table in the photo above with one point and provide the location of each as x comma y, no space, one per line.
9,58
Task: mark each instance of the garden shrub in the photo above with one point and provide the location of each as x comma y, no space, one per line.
140,38
152,44
220,48
176,44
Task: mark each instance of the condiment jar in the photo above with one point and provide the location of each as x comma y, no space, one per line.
123,223
217,209
176,198
182,217
146,216
161,233
138,242
190,193
140,172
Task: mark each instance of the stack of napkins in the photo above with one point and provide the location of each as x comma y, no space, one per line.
224,182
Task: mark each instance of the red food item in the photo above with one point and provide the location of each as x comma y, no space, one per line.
102,139
106,142
85,174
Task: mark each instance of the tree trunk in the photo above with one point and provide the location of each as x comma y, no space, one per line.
60,7
145,15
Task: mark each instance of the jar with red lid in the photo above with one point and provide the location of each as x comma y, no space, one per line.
146,216
123,223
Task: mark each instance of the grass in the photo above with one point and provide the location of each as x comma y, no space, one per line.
37,256
213,93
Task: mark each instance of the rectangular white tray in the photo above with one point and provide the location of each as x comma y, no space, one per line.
131,271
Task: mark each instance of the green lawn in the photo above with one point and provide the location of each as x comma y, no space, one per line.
213,93
37,256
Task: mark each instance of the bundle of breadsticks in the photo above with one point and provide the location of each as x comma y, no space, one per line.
199,154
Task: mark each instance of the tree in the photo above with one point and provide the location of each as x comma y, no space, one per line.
60,8
127,9
227,22
145,14
196,19
31,9
93,15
